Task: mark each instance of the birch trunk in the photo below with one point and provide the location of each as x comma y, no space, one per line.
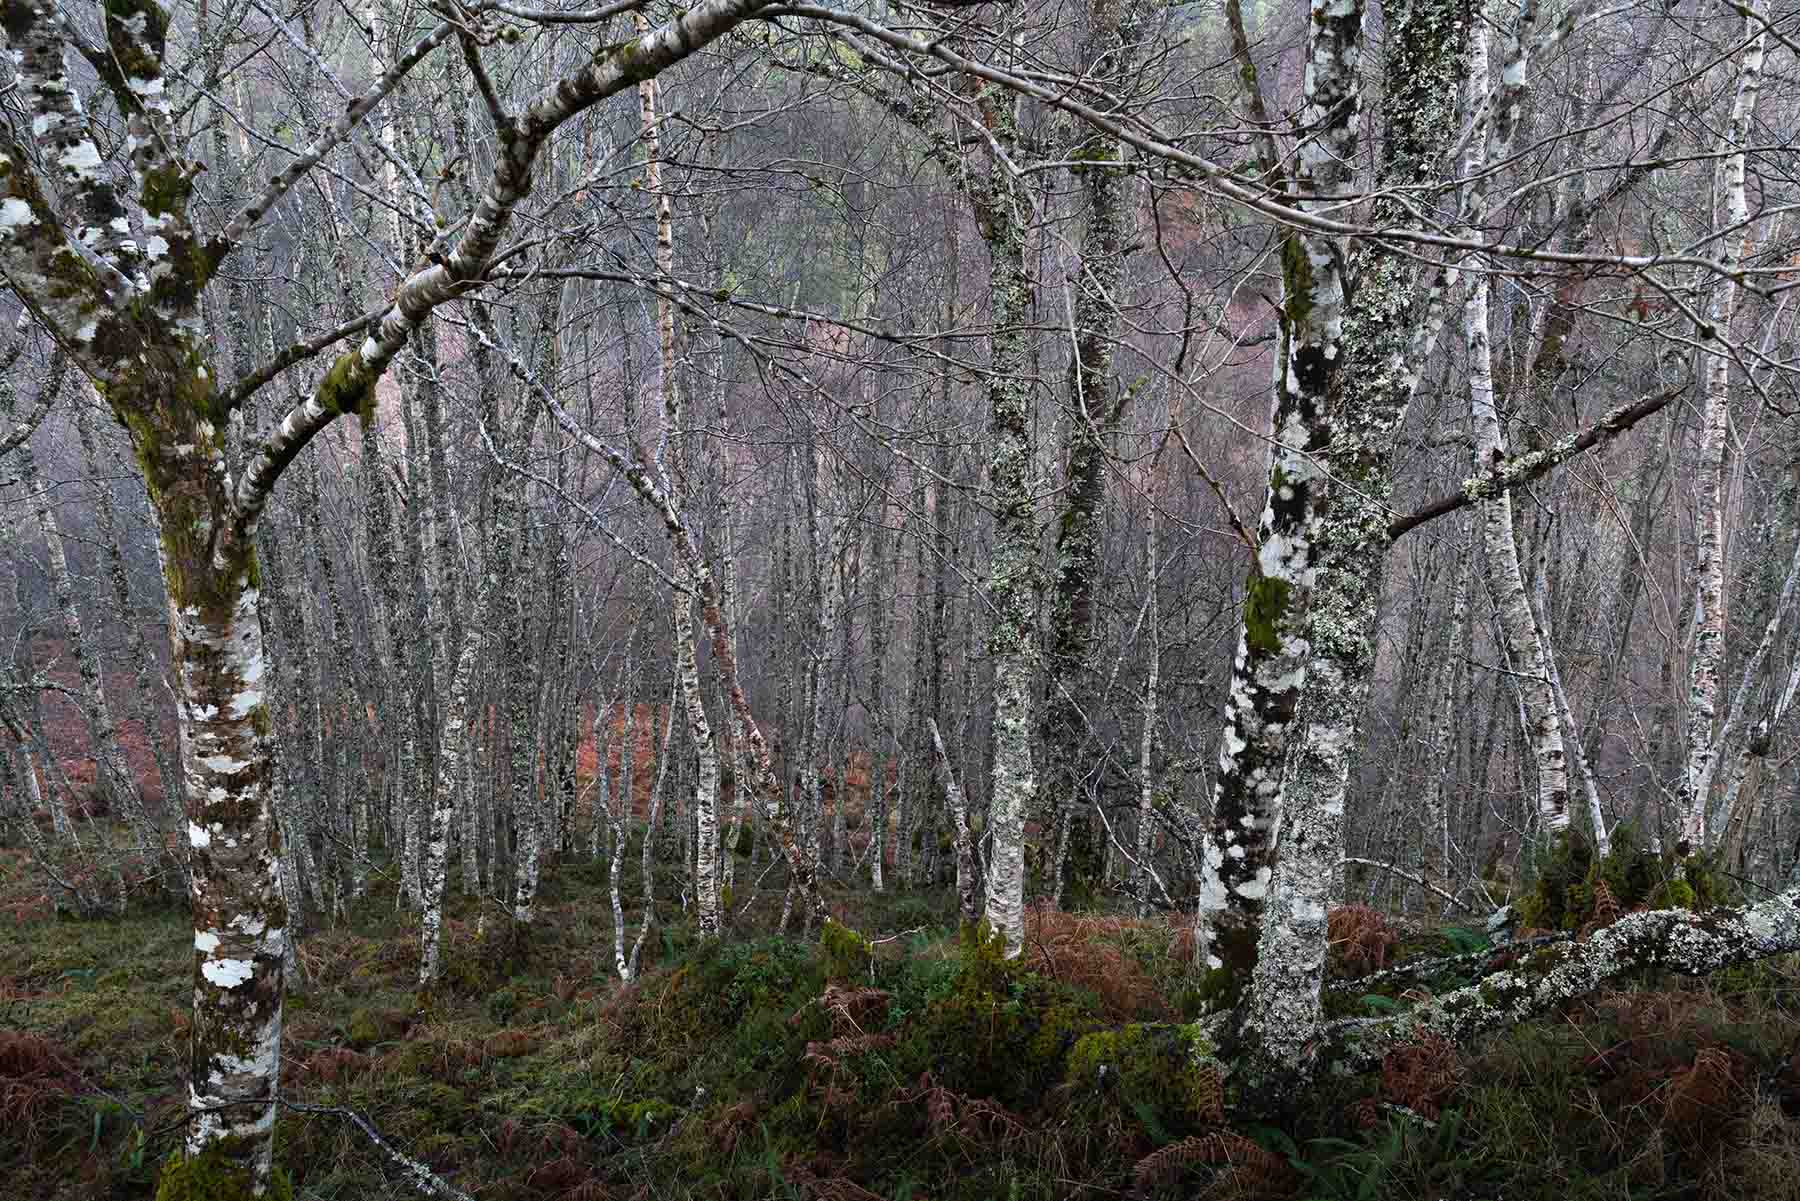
1500,559
1315,601
129,314
1703,742
453,742
1146,781
1001,212
1565,714
1435,860
109,756
967,880
1095,404
145,678
660,719
1274,647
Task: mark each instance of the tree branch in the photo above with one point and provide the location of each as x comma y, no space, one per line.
1671,940
1522,469
285,179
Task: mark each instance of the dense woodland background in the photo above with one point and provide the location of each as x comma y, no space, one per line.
943,383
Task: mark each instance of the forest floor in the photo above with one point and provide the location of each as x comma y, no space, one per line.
916,1065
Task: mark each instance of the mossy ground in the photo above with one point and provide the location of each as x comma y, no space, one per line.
914,1066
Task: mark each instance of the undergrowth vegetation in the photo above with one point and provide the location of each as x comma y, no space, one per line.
909,1062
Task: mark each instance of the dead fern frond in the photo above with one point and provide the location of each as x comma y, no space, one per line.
1209,1095
940,1104
559,1177
1165,1165
34,1076
978,1120
1421,1075
1246,1170
1081,950
1606,906
992,1122
506,1135
726,1129
855,1010
511,1044
560,1139
336,1063
821,1181
1702,1096
1359,940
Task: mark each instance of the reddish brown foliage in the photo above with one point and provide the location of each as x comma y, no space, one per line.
560,1177
34,1075
974,1120
1420,1076
820,1178
1706,1095
511,1044
1697,1091
1076,949
1606,910
729,1126
1244,1169
1360,940
328,1066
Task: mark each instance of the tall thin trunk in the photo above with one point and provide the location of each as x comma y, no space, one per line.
1002,212
1703,742
1435,861
961,836
1525,649
661,718
144,707
1110,53
1146,815
109,753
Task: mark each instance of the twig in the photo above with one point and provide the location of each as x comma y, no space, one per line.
421,1176
1410,878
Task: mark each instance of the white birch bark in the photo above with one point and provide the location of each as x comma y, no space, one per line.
961,836
109,754
1373,351
453,744
1702,740
1755,744
1274,650
1565,713
1668,940
620,814
1435,861
663,719
706,793
885,728
1146,781
1500,558
128,312
1110,53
